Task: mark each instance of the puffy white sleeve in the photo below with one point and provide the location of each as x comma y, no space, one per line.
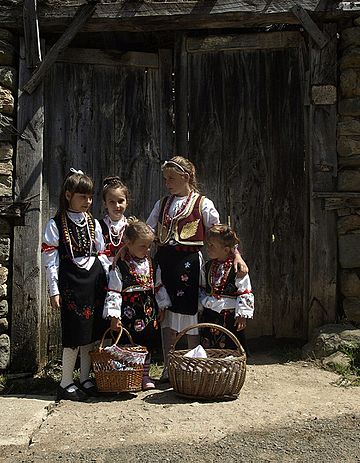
100,247
161,295
113,300
209,213
50,256
245,299
153,218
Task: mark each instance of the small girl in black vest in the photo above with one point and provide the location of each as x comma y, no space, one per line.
76,279
115,201
131,292
227,300
181,221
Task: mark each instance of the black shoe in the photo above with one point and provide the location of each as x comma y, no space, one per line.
89,391
76,396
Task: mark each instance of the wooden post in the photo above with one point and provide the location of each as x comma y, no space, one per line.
31,33
26,297
181,96
166,103
323,170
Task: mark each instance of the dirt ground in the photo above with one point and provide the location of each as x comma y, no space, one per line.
291,412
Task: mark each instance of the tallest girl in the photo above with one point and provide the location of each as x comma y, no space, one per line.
181,221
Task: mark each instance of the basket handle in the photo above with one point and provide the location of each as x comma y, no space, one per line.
210,325
122,329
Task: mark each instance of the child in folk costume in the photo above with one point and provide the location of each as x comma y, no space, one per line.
227,300
131,291
76,279
181,220
115,200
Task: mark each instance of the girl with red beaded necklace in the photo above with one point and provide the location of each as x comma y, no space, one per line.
227,299
115,201
76,279
181,220
130,299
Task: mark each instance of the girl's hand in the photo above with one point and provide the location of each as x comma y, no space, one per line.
239,264
115,324
240,323
161,315
120,255
55,301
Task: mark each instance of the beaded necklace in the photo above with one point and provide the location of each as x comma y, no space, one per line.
142,280
115,235
70,242
167,218
217,287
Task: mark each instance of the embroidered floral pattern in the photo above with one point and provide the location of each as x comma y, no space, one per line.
184,277
85,311
180,293
187,264
129,312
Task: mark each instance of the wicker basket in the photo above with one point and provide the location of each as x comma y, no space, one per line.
109,379
208,378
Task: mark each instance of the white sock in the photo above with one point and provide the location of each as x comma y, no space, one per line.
68,365
85,363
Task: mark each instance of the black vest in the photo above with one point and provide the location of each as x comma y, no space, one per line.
229,290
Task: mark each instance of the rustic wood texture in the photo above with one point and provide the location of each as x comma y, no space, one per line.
80,18
148,15
181,95
31,33
318,36
28,326
247,141
323,170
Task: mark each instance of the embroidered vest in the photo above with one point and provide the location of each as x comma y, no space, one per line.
110,249
130,280
187,228
80,240
229,289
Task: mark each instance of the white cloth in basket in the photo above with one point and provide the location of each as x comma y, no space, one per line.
197,352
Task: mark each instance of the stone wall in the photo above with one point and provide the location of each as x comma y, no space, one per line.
8,86
348,224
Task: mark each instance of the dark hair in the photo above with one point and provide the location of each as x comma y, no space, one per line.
187,168
137,229
224,234
74,183
112,183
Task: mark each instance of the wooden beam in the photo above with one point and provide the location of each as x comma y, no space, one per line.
181,96
319,37
109,57
31,33
82,15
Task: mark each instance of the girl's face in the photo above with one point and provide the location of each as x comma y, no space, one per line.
79,202
140,247
115,203
176,183
216,249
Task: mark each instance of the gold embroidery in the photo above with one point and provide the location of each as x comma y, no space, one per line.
189,229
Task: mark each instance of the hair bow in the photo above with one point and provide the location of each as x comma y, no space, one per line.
74,171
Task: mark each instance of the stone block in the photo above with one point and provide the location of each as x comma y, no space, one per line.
6,54
4,308
348,126
7,36
8,77
4,250
3,291
349,107
350,83
349,224
349,162
5,185
4,351
349,180
4,272
349,250
350,59
4,325
6,128
6,151
5,227
350,37
6,101
6,168
336,361
351,307
350,283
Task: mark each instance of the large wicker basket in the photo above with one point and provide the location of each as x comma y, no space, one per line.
109,379
209,378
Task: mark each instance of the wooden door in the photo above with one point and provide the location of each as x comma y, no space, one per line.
246,137
107,113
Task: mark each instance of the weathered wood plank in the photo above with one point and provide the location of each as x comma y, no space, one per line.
31,34
319,37
269,40
166,124
181,95
109,57
323,170
82,15
27,346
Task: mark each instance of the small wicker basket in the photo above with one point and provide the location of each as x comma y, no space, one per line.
132,357
211,378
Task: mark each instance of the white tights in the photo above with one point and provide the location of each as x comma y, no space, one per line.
68,364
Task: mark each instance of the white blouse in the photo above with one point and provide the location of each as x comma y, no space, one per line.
50,257
209,214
